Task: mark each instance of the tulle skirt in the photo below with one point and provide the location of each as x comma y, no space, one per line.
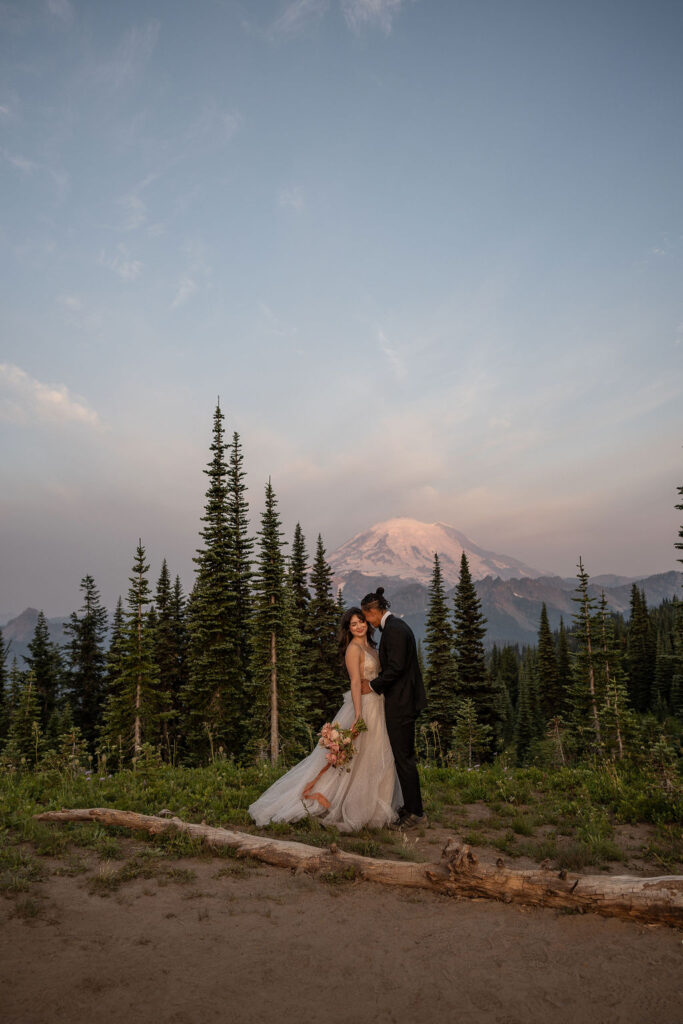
369,795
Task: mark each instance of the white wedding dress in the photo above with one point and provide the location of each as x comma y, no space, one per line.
368,795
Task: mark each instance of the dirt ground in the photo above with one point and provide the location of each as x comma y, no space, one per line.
210,939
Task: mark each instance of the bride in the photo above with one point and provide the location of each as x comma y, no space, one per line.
370,793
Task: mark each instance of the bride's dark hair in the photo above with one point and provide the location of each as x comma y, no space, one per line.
344,634
376,600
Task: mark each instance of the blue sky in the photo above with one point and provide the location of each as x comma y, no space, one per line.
428,254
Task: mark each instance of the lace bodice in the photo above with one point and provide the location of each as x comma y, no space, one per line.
369,665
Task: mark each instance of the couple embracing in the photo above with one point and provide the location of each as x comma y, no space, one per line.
381,787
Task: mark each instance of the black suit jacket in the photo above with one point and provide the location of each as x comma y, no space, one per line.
400,679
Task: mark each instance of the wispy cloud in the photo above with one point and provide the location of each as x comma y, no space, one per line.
133,205
359,13
297,17
274,324
129,57
20,162
25,400
215,123
197,273
77,314
60,9
392,354
122,264
291,198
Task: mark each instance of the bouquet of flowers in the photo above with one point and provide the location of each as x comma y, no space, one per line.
339,742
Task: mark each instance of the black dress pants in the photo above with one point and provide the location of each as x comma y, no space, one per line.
402,738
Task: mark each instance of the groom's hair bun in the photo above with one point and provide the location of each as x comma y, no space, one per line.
375,600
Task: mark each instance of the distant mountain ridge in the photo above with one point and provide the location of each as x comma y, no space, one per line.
399,555
19,633
512,608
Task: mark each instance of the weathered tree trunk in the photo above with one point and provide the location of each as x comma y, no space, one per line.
458,873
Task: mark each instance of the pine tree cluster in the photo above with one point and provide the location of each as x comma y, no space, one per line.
246,667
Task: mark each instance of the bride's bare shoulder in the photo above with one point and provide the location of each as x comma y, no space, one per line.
354,650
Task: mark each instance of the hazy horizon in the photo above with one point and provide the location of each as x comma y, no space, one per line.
428,254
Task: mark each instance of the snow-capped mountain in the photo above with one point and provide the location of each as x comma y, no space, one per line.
405,548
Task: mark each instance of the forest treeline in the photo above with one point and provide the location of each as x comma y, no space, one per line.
246,667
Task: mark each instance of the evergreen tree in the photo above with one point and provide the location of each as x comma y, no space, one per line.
46,663
137,705
441,678
168,643
677,673
340,603
180,645
564,671
213,698
25,734
526,722
470,629
470,738
86,660
297,582
275,721
298,573
616,717
241,561
640,655
584,696
4,695
548,680
114,660
326,682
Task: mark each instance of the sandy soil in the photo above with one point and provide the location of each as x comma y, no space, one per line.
255,944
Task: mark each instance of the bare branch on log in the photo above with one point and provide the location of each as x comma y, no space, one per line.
459,872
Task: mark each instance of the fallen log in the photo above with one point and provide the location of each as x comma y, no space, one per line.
459,873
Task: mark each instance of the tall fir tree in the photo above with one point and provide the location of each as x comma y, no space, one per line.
114,659
548,680
504,672
469,737
168,643
86,660
441,677
584,697
137,704
214,698
241,562
526,720
297,581
4,695
617,719
47,665
326,681
298,572
640,652
470,630
25,733
276,725
564,670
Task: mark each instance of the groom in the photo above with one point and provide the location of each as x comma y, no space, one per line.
400,680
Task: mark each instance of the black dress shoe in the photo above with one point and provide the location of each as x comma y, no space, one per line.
403,815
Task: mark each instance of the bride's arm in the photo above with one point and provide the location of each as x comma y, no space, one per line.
353,668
